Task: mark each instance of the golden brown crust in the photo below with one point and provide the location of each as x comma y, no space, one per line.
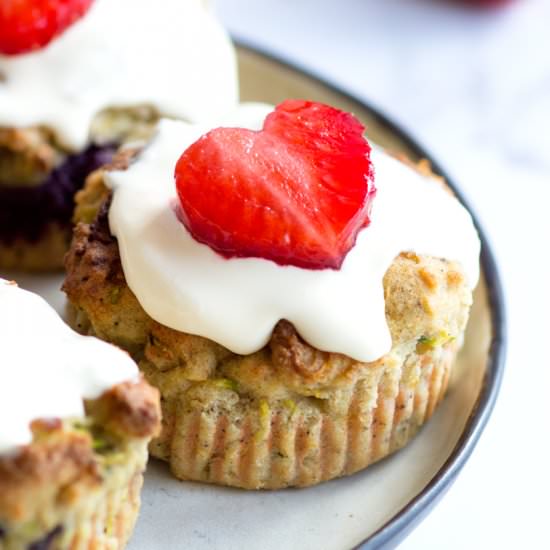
289,414
43,468
27,155
46,254
88,200
62,461
101,514
128,410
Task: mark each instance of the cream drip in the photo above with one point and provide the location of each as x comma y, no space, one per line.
171,54
236,302
48,369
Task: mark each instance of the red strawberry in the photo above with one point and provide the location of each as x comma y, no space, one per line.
27,25
483,3
297,192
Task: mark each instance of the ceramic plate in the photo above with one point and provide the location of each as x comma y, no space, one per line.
371,509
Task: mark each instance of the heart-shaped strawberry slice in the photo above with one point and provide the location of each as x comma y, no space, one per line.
297,192
26,25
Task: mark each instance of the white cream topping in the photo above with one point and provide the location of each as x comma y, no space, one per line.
47,368
170,54
185,285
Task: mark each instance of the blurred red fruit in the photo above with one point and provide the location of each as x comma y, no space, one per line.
27,25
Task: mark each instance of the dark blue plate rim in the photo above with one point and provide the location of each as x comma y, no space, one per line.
401,524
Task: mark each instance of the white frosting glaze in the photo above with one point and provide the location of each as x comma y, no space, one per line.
185,285
47,368
171,54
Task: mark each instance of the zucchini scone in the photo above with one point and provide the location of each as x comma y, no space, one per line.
298,298
75,421
78,78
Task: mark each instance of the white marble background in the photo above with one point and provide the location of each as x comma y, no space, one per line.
474,88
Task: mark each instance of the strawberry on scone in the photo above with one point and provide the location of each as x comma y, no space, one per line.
297,295
27,25
79,78
297,192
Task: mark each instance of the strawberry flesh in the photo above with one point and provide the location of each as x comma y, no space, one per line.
27,25
296,192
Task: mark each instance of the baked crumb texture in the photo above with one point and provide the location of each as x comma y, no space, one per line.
44,254
288,415
34,234
77,485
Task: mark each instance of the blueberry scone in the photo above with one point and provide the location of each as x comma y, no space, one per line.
76,81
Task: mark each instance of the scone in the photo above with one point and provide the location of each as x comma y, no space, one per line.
76,418
298,298
103,75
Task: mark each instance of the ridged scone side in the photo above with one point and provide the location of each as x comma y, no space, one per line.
77,484
288,415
